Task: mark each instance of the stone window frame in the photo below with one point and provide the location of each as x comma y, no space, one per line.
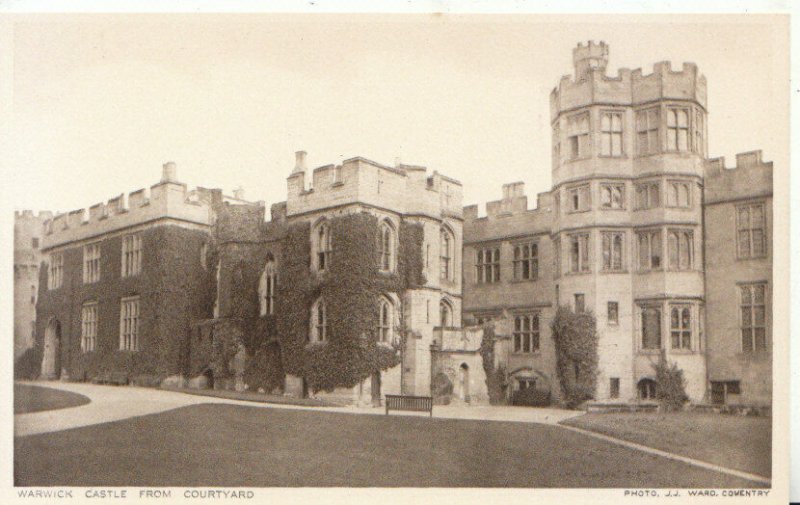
579,129
55,272
89,323
648,128
487,265
674,194
387,320
446,254
609,130
267,287
582,195
611,238
387,247
679,328
641,345
129,323
683,242
579,301
321,245
91,263
521,260
526,330
614,321
131,255
751,325
680,129
608,188
750,230
649,193
699,132
319,322
650,233
446,314
613,387
583,264
556,145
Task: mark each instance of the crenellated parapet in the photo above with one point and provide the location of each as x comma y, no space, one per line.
509,214
167,199
750,177
405,189
590,84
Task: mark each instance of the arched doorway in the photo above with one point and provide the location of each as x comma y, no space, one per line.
52,350
464,369
647,389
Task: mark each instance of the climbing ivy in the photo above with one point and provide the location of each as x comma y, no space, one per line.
575,337
495,376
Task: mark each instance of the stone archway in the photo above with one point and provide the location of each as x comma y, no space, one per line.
51,355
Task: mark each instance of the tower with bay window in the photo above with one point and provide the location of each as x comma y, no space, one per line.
629,153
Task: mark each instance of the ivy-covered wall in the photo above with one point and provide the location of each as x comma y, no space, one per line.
174,290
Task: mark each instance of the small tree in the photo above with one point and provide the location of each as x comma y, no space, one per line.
575,337
670,384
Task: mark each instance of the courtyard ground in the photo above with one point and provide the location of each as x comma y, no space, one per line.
28,399
741,443
232,445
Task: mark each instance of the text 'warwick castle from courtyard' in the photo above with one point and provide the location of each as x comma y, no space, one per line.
372,279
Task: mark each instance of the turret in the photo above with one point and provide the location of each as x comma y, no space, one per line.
588,57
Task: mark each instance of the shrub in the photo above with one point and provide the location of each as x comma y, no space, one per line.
531,397
670,384
575,337
441,389
28,365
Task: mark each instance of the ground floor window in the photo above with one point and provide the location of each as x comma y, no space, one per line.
720,391
89,327
647,389
129,324
614,387
526,333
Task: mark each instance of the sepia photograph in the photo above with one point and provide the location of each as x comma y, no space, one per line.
517,252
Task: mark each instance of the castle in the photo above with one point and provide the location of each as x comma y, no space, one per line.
357,284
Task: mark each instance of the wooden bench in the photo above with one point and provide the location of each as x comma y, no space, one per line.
411,403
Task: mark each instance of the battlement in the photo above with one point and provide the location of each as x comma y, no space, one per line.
749,177
42,215
401,188
168,198
630,87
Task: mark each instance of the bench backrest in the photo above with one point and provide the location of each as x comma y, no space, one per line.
398,402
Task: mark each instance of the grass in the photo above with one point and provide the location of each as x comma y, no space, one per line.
227,445
250,396
29,399
742,443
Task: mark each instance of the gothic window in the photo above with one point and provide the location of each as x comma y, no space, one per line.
579,198
612,315
679,194
680,244
267,287
578,140
680,327
579,252
612,250
446,254
677,129
55,275
648,195
445,314
386,247
385,320
321,242
650,249
612,196
611,134
319,322
526,261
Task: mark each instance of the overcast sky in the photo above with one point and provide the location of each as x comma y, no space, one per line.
98,103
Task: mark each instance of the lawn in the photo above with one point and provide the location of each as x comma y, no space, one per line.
29,399
227,445
742,443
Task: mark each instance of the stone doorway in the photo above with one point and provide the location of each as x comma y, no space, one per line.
51,355
464,370
375,388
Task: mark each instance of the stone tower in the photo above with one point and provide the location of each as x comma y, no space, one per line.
628,158
28,229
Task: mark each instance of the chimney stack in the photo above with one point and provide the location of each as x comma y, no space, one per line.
299,162
238,193
169,173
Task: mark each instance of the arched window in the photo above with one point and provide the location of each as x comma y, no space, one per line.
321,245
385,320
445,314
647,389
386,246
267,286
319,322
446,254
